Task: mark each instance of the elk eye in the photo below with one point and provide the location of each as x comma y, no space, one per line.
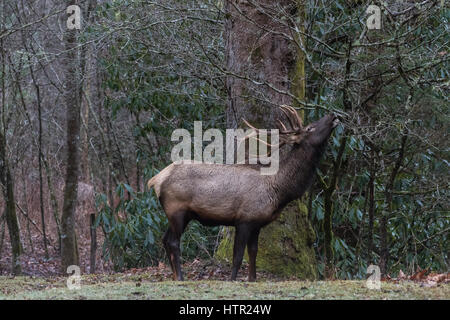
310,129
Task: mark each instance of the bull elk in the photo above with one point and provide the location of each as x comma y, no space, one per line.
238,195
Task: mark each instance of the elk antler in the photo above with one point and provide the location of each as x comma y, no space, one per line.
256,133
295,122
293,118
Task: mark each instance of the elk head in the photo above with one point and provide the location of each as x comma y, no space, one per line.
315,134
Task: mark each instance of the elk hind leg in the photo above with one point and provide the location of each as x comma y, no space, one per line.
177,225
240,240
167,247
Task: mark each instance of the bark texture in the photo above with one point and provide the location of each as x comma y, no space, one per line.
6,179
263,64
69,248
10,210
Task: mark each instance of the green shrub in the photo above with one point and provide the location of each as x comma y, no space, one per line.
135,226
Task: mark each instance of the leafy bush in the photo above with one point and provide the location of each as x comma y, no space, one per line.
134,228
199,241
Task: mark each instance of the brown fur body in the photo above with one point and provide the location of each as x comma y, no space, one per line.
236,195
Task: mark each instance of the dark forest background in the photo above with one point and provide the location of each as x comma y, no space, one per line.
104,100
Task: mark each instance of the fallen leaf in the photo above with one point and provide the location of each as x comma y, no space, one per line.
418,275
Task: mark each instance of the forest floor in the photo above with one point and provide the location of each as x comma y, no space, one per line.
206,281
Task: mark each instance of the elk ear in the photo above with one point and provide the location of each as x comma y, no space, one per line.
299,138
295,138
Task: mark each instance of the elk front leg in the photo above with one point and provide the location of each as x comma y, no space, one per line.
240,240
252,248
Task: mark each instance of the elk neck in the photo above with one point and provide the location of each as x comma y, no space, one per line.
296,172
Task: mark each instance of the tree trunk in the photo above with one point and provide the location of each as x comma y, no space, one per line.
6,180
257,49
69,249
384,249
25,201
40,155
85,117
328,214
10,211
371,208
93,243
53,201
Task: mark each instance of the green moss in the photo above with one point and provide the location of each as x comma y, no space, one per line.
224,252
285,245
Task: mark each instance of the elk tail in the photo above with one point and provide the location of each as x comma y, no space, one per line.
156,181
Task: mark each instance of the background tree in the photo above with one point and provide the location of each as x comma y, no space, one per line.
6,178
381,193
72,97
265,69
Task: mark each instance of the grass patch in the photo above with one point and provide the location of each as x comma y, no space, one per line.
120,286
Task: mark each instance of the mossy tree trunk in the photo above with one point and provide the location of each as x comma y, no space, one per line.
266,69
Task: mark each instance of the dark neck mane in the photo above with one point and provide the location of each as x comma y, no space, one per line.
296,172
